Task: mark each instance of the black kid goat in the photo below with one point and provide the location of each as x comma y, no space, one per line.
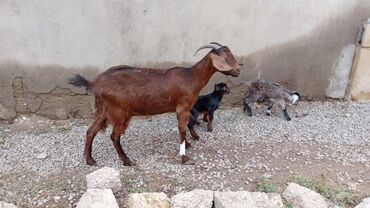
207,105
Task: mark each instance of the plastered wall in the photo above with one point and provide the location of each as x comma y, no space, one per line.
43,42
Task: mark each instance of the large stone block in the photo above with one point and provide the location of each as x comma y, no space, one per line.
338,80
147,200
104,178
364,204
98,198
6,205
245,199
193,199
365,42
303,197
359,88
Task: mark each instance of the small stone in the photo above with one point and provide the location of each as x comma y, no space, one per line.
70,197
56,198
42,155
249,179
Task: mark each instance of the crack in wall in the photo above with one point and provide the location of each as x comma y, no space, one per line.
58,103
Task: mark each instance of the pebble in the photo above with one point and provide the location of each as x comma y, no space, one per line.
42,155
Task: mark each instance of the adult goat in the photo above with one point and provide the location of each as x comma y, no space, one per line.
122,92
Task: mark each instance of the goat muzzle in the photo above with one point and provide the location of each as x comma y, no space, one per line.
235,72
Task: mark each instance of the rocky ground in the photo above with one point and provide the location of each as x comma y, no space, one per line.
42,163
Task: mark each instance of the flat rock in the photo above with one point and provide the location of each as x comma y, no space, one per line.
147,200
364,204
194,199
6,205
42,155
104,178
98,198
245,199
303,197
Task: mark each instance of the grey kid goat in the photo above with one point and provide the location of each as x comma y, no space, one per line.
268,93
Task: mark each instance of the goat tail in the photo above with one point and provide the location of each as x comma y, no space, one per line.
79,81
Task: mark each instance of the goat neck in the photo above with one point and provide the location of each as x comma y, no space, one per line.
202,72
218,94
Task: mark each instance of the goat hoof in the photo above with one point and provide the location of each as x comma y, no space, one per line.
268,114
210,129
129,163
196,138
197,123
90,161
185,160
288,119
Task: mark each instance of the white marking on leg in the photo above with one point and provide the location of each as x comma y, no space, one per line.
294,98
268,112
182,149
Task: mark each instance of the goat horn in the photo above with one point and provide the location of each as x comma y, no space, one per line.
216,47
216,44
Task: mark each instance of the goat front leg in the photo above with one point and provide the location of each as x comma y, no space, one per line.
246,106
210,119
205,117
182,119
283,108
269,107
192,122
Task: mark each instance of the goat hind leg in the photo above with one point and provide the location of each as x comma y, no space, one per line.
97,125
210,119
205,116
246,106
283,108
118,130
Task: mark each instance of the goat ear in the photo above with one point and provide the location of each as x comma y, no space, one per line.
220,63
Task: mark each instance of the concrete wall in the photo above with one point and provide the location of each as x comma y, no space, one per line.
44,42
359,88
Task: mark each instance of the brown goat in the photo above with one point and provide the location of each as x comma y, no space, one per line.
122,92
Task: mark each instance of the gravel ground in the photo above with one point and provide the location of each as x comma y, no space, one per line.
42,163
